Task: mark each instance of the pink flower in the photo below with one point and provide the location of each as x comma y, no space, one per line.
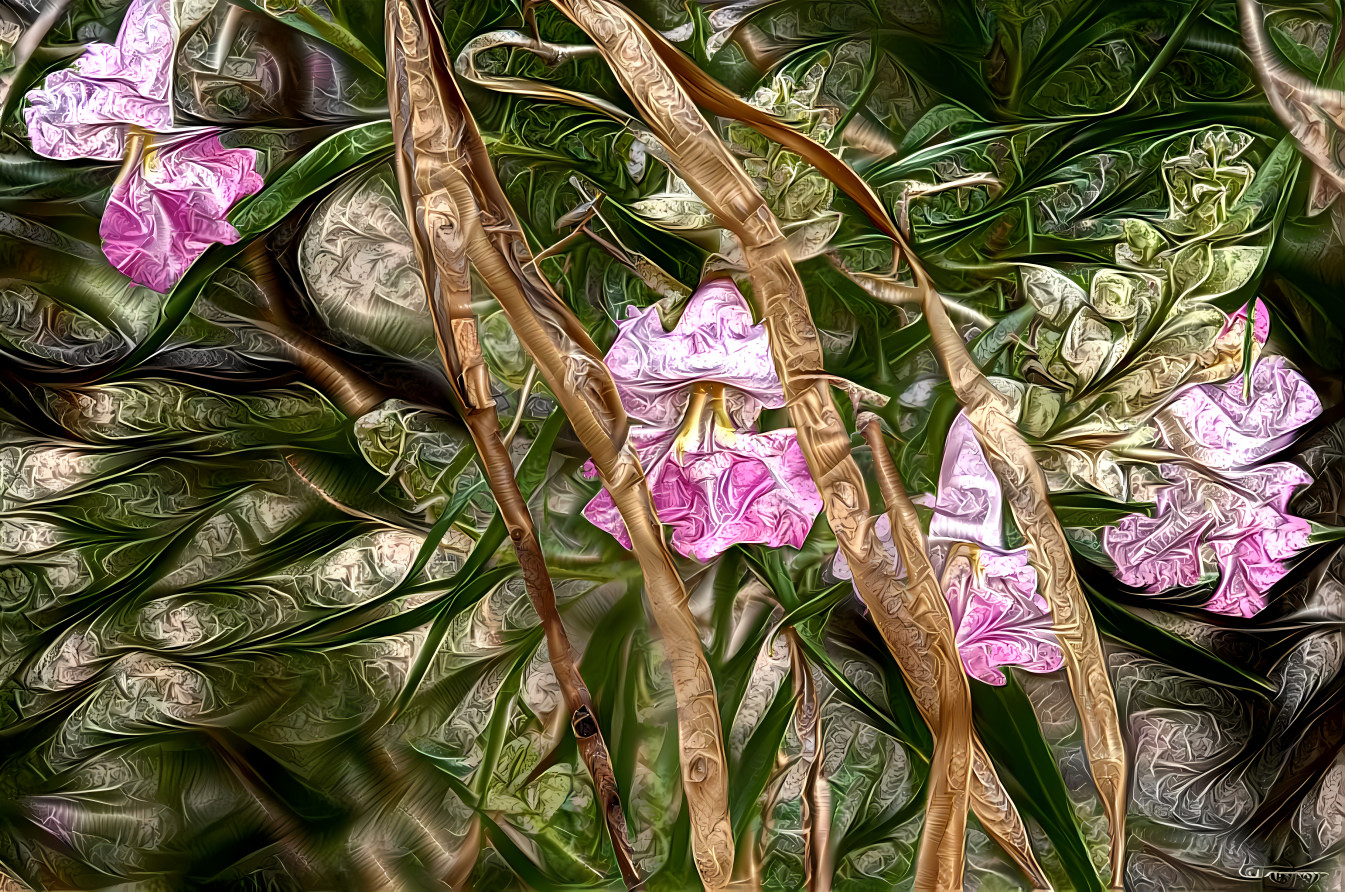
169,203
694,395
1240,531
1218,426
1227,518
999,617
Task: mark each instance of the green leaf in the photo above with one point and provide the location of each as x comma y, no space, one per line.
1008,727
750,772
1094,510
1133,631
325,163
303,18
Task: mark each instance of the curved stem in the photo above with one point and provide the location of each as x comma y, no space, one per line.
352,391
816,804
912,633
989,800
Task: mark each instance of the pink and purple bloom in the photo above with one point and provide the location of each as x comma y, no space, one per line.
168,204
1221,514
694,395
999,617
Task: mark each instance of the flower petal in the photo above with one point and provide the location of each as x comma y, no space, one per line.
1000,618
969,502
1202,527
755,489
1220,427
171,208
1236,328
715,340
82,112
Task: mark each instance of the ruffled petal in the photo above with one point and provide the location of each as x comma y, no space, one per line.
82,111
171,208
1220,427
1202,528
715,340
1000,618
754,489
969,502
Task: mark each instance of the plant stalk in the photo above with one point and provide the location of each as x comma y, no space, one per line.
989,800
466,218
911,632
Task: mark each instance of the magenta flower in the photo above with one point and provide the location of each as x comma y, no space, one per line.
1218,426
999,617
1220,516
694,395
169,202
1240,530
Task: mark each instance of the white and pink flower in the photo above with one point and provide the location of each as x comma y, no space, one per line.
115,103
999,617
694,395
1221,514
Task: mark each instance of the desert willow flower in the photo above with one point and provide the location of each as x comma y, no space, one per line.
169,201
989,800
644,63
917,630
471,221
443,255
1223,512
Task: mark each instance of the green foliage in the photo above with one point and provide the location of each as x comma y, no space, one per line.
252,640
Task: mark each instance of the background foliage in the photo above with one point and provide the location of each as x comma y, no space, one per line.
251,642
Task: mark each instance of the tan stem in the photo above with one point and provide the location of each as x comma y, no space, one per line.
816,791
1309,112
352,391
1024,484
465,217
989,800
524,392
922,642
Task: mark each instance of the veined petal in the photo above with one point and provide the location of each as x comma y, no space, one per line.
83,111
1202,527
754,489
171,208
1220,427
715,340
1000,618
969,503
